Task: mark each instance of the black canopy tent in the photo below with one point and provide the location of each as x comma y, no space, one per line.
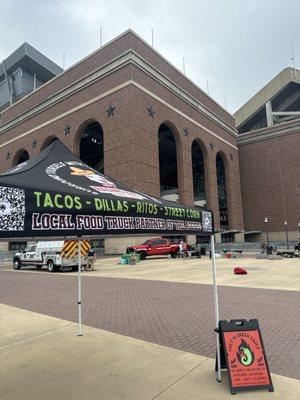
54,195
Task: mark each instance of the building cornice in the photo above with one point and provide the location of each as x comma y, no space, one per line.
128,57
176,69
108,93
66,92
184,95
269,133
66,113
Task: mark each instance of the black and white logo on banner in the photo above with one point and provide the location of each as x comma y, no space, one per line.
207,221
12,209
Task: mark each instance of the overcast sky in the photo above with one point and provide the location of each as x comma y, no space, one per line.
235,45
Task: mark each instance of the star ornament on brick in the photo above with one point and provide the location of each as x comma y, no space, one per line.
211,145
8,154
67,130
151,112
186,132
34,143
110,111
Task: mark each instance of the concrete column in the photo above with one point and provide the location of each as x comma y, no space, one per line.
191,239
3,246
234,197
118,245
268,106
185,174
239,238
212,189
218,238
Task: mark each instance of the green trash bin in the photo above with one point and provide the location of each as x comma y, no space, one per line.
127,257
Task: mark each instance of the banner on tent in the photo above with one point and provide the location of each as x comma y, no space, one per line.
26,213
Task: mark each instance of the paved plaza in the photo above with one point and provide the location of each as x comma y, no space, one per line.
280,273
145,309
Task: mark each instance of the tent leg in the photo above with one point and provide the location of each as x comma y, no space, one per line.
79,287
216,303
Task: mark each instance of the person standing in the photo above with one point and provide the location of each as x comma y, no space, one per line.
181,250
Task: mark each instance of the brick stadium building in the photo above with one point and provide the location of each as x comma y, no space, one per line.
269,155
127,112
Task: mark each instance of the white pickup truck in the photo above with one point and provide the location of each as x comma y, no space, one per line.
48,254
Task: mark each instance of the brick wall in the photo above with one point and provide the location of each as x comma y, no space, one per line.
270,178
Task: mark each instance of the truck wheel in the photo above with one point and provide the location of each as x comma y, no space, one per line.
50,266
17,264
143,255
174,255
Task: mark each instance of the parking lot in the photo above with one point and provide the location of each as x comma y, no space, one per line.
280,274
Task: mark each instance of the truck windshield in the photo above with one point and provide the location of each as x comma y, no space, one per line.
29,249
148,241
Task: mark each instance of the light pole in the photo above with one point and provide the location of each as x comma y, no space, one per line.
299,230
286,234
266,222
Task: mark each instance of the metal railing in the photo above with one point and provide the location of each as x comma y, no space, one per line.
106,252
251,247
6,256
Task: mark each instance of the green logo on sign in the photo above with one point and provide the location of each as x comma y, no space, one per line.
244,354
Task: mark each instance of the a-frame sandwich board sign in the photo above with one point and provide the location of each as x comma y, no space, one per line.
243,355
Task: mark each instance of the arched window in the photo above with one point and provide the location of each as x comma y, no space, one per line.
222,194
47,142
167,163
198,175
20,157
91,146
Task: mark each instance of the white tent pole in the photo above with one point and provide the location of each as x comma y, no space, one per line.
79,287
216,302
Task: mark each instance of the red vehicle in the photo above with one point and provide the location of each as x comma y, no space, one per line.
156,246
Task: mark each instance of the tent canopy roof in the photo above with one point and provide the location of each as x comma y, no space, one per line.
55,194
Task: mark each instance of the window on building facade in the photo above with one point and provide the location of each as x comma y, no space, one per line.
47,142
91,146
21,157
198,175
167,163
222,195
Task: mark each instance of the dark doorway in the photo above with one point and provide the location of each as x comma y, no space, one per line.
198,175
91,146
21,157
222,194
227,237
167,163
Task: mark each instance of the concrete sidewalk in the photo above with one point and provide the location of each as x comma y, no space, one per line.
41,357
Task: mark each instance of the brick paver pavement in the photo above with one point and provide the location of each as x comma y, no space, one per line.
178,315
